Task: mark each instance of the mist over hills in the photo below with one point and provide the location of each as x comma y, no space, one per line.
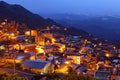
105,26
75,24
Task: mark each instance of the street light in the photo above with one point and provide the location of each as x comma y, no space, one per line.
107,55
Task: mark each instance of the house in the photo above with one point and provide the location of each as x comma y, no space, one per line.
61,47
20,37
115,77
77,58
48,48
102,75
40,40
79,68
31,33
37,66
91,72
18,59
21,58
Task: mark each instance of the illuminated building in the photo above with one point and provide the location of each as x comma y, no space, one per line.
39,49
77,58
37,66
48,48
61,46
39,40
31,33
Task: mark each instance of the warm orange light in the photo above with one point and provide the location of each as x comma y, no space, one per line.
63,70
27,33
12,34
39,49
107,55
53,40
32,58
61,50
25,51
3,23
31,33
67,62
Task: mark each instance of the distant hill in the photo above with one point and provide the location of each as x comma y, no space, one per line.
22,15
100,26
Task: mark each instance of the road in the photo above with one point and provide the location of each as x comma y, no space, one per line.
19,73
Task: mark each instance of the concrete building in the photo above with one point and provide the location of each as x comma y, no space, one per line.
37,66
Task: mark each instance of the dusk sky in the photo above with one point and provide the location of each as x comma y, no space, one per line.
70,6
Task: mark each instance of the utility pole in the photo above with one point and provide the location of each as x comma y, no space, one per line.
14,66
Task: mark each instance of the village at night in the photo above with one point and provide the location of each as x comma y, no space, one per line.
34,48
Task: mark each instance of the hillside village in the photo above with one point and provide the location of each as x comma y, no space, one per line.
42,51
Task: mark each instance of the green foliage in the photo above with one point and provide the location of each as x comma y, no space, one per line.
6,76
72,75
76,77
97,79
18,66
52,76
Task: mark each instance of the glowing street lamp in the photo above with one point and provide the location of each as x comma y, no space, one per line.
67,62
107,55
53,40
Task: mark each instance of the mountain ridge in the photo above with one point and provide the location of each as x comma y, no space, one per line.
34,21
103,26
22,15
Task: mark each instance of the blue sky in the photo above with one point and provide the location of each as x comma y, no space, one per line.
70,6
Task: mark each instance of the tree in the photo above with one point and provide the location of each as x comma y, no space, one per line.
6,76
52,76
72,75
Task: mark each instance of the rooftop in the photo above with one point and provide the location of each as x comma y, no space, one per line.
34,64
